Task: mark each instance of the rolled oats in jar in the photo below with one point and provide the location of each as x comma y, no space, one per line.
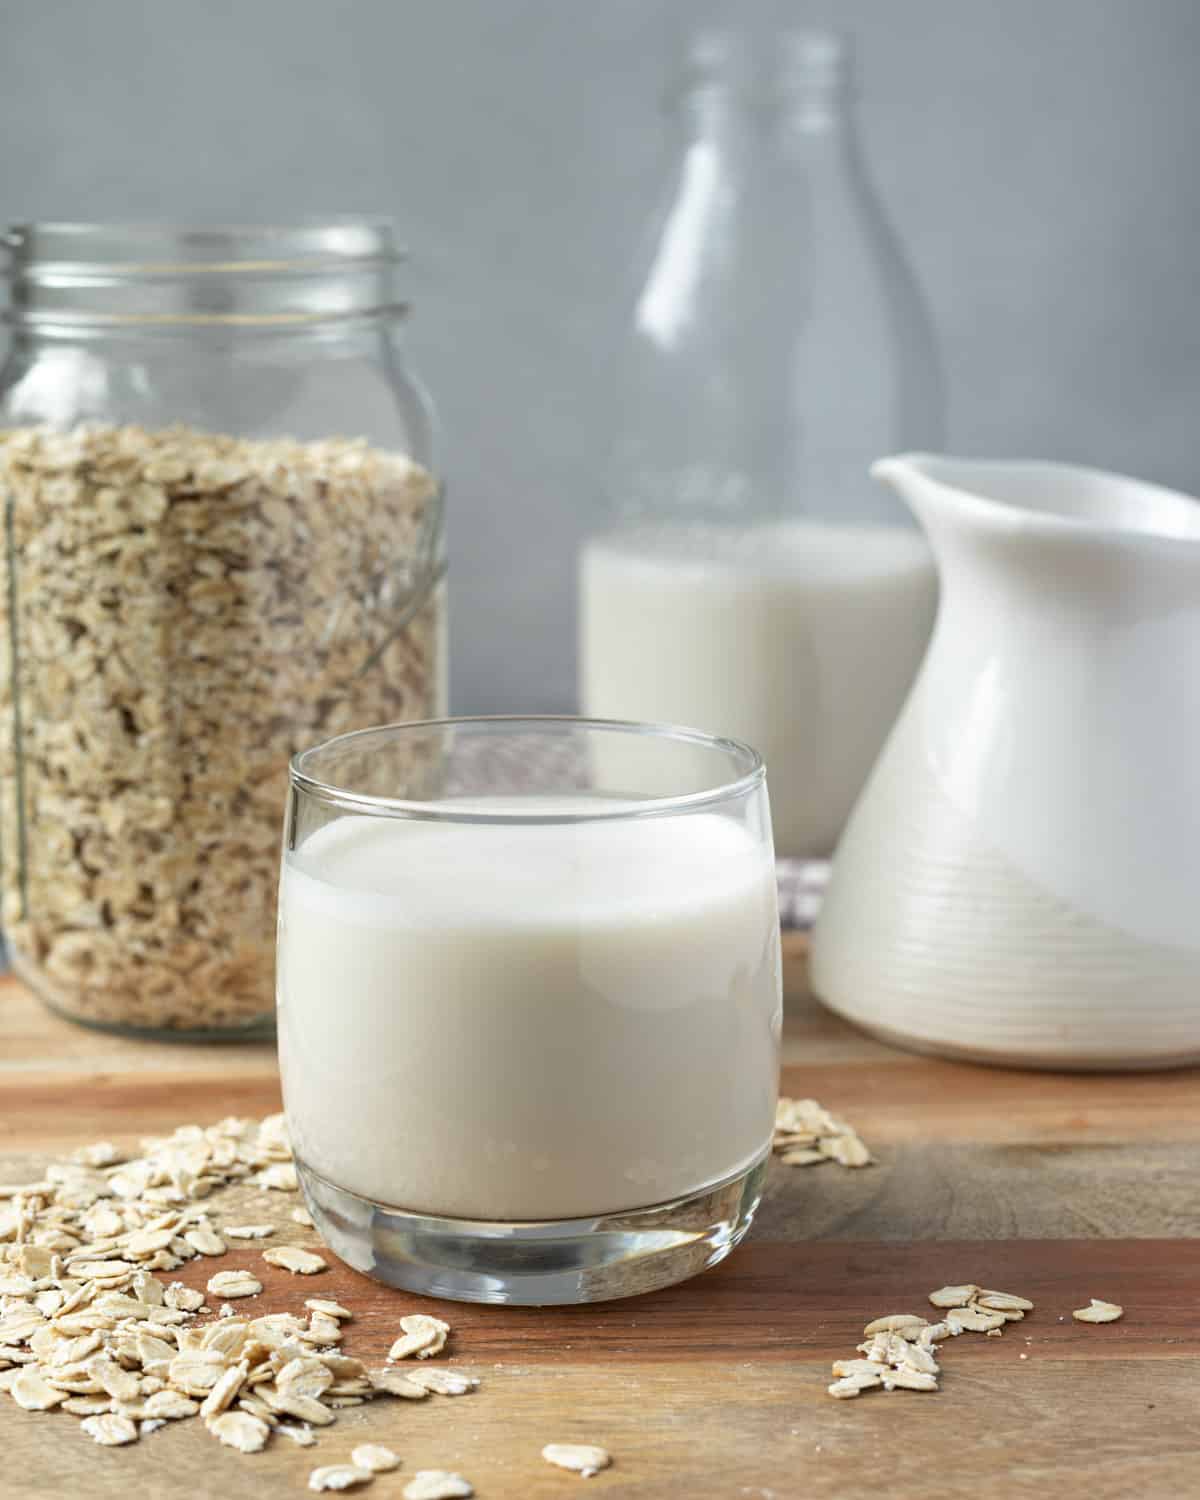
201,576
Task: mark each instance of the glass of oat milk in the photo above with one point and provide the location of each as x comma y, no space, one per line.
529,1002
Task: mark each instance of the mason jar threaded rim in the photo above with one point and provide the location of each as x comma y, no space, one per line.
100,273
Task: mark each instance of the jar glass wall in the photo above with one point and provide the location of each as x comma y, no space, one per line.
222,539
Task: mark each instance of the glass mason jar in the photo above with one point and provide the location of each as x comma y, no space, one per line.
222,541
749,579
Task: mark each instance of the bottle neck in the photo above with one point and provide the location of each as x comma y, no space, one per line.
802,92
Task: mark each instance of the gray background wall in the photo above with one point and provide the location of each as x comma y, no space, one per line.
1038,156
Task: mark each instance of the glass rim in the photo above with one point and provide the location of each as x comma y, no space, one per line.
330,794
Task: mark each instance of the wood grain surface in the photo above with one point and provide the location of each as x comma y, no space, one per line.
1058,1187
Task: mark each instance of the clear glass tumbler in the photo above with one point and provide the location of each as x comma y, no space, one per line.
529,1002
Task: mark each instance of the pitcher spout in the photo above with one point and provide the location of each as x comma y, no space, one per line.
921,481
1053,504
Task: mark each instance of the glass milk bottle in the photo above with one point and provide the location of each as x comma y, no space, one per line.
750,579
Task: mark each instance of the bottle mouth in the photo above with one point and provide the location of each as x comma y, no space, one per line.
787,69
103,273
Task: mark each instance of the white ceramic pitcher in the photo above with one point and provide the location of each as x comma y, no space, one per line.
1020,881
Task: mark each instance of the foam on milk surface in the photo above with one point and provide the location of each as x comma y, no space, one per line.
529,1021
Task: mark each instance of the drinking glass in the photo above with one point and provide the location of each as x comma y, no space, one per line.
529,1002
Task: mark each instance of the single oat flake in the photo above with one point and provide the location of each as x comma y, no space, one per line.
953,1296
234,1284
292,1258
330,1309
339,1477
908,1325
375,1457
848,1386
240,1430
437,1484
110,1430
398,1383
585,1459
1098,1312
422,1335
446,1382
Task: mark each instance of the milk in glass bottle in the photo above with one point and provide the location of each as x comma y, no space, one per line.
750,580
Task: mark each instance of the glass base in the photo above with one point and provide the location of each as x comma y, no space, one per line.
536,1264
802,885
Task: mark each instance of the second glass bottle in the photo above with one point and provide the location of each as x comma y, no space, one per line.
751,580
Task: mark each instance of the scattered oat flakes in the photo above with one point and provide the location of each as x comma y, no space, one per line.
437,1484
292,1258
86,1323
583,1458
234,1284
374,1456
1098,1312
899,1348
806,1134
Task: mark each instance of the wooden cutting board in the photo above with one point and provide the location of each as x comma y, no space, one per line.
1058,1187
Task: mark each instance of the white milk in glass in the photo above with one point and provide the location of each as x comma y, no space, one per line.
799,637
516,1021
